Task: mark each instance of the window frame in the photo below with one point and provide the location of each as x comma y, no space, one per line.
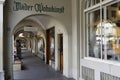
97,6
102,5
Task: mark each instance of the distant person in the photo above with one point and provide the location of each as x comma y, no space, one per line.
18,47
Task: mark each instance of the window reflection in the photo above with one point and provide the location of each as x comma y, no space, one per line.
93,20
114,16
104,36
52,48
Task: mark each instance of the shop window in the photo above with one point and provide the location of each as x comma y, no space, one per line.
103,30
52,44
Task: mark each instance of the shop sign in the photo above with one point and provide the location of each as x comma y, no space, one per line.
38,7
30,29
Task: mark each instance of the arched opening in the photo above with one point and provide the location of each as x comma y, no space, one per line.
31,32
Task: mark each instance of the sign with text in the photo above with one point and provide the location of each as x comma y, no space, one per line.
30,29
38,7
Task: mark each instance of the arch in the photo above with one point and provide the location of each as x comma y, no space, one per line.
44,22
37,19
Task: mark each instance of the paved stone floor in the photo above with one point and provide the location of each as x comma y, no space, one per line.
36,69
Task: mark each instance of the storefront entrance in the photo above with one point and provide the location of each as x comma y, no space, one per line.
60,44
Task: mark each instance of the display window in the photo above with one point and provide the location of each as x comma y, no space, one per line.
102,29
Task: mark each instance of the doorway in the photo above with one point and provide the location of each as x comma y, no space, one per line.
60,47
50,55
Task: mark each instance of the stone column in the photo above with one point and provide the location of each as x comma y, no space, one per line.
8,54
8,57
8,46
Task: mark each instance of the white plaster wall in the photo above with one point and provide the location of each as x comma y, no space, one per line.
1,36
82,35
75,40
66,57
109,67
2,1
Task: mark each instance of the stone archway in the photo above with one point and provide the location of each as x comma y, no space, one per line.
44,22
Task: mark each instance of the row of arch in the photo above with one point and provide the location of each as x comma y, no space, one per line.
41,22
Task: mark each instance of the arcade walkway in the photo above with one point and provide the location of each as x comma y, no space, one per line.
36,69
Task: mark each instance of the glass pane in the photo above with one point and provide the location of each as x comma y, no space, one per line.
90,3
113,40
96,2
94,39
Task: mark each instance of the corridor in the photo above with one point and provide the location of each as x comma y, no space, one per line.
35,69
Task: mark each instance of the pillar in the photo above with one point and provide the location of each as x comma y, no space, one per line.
75,40
8,46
